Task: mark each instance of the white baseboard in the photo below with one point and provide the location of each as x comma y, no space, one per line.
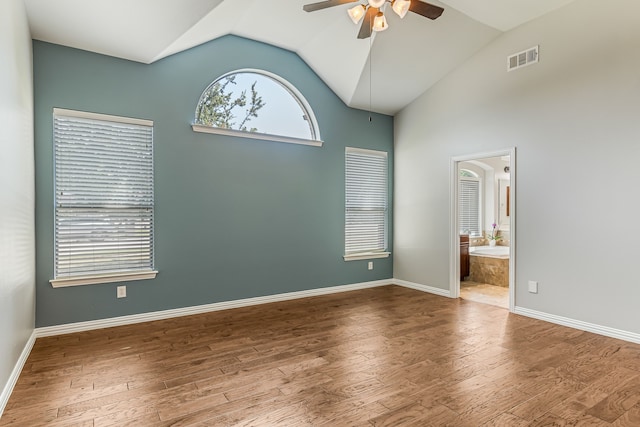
551,318
423,288
199,309
578,324
13,378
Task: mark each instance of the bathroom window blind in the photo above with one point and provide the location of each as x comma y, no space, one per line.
103,195
366,201
469,206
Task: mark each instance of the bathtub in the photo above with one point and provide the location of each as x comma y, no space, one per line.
491,252
489,265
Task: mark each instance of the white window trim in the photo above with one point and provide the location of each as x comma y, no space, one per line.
480,182
104,278
295,93
357,256
255,135
366,255
116,276
104,117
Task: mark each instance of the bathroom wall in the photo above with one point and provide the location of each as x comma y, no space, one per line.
491,171
496,207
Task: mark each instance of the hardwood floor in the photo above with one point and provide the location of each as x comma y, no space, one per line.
386,356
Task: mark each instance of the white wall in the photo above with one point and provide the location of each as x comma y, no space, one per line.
17,253
494,167
575,120
491,170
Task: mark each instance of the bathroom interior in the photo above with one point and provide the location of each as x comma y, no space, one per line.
484,219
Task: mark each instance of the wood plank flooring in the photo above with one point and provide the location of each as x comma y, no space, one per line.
386,356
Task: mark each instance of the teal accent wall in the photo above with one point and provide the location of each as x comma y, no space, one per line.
234,218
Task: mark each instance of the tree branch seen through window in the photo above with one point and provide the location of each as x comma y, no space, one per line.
255,101
219,107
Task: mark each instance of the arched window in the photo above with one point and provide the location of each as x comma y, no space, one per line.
468,174
256,104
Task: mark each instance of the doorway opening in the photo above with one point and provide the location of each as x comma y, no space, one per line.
483,228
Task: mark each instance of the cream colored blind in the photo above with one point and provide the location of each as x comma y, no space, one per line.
103,194
366,201
469,206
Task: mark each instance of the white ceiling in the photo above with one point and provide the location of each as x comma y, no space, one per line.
407,59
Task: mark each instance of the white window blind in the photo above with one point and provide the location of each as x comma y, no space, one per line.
366,201
469,206
103,195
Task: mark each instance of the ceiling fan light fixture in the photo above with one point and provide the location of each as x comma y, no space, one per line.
380,22
370,13
376,3
401,7
356,13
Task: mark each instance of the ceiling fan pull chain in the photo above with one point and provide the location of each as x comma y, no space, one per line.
370,74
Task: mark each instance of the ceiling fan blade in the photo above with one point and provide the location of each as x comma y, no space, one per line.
367,23
325,4
427,10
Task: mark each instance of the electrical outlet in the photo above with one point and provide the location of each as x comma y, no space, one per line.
533,287
121,292
370,265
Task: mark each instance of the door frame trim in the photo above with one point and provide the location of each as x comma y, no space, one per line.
454,240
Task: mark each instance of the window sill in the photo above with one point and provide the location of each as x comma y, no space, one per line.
104,278
366,255
255,135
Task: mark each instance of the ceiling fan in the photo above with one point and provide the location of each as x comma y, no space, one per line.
374,19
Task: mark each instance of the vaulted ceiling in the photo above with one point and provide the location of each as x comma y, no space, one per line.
407,59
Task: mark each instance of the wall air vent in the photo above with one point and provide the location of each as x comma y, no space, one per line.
522,59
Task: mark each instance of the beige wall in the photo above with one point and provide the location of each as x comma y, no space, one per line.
574,118
17,270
